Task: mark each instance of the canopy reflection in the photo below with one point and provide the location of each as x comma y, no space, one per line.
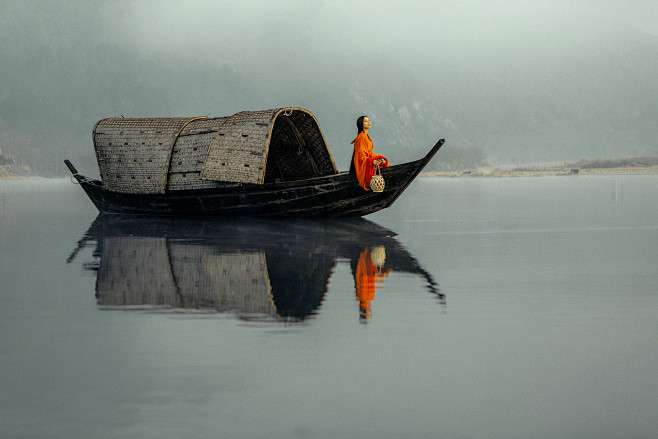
256,269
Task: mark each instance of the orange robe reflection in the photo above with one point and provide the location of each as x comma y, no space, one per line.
368,276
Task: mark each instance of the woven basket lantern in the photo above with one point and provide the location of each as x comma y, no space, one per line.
377,182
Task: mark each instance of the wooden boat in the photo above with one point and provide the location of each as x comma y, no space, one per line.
262,163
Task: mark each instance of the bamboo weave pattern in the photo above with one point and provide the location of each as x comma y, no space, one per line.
158,155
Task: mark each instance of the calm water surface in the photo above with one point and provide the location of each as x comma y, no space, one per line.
473,308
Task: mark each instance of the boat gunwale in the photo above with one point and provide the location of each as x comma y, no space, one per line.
203,202
268,187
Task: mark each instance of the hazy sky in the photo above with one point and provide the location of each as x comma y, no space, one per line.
413,31
511,77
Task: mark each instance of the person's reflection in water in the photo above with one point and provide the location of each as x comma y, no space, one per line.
257,269
370,273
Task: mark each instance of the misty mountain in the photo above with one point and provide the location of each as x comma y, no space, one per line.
558,96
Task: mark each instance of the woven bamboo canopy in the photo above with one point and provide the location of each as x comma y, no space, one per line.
157,155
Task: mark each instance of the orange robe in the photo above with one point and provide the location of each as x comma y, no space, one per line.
363,158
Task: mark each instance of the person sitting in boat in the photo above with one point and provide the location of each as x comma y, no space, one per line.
364,159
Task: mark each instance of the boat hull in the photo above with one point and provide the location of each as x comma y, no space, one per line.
337,195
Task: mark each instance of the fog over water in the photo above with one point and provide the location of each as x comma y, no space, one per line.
511,81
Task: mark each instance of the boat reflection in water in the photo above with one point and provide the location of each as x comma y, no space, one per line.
256,269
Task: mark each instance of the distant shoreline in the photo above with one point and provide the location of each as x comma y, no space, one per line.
14,171
632,166
497,172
